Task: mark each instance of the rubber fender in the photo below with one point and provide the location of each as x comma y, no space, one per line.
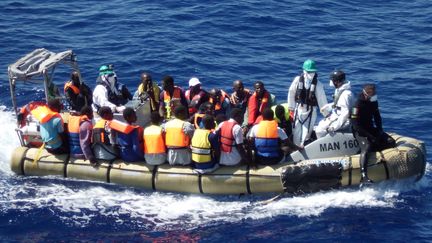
311,178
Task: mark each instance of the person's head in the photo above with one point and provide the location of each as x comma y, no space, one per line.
369,92
106,113
180,112
106,69
238,86
221,118
146,80
337,78
280,112
215,94
206,108
208,122
259,88
87,111
168,83
309,68
129,115
237,115
268,114
155,118
194,84
55,105
75,78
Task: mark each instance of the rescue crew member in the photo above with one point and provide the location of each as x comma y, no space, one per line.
260,100
129,137
336,113
148,90
178,133
80,135
206,108
231,140
195,95
304,95
367,128
205,147
239,98
77,93
154,143
52,130
109,92
171,97
220,101
103,137
267,139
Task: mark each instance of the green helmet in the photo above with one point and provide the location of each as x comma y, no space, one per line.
309,66
105,69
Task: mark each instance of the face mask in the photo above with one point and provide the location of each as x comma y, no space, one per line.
373,98
309,76
331,84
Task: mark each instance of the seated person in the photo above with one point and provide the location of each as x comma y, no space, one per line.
80,134
283,119
267,139
52,130
367,128
206,108
178,133
195,95
129,137
154,143
171,97
148,90
103,137
260,100
231,140
77,93
205,147
239,98
220,101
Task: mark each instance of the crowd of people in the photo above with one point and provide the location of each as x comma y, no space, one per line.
206,129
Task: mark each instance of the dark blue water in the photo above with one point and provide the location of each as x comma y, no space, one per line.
383,42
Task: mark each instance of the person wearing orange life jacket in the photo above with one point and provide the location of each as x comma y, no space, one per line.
205,108
77,93
267,138
260,100
51,127
231,140
25,111
154,143
148,90
171,97
104,137
178,133
221,102
129,137
205,147
80,135
239,98
195,95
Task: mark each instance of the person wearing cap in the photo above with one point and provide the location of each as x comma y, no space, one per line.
195,95
367,128
336,113
305,94
148,90
109,92
77,93
239,98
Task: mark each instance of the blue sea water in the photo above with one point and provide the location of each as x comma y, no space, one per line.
383,42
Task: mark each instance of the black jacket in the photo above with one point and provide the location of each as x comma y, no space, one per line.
366,118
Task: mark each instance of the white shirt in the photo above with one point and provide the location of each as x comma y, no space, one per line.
100,98
340,116
319,93
233,157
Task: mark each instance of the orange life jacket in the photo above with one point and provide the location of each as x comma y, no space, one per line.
227,136
122,127
169,105
26,110
153,140
69,85
174,134
218,103
255,109
100,134
74,123
43,114
196,97
267,139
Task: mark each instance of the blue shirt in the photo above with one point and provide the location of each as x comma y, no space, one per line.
50,132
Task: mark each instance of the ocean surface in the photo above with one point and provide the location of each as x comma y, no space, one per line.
388,43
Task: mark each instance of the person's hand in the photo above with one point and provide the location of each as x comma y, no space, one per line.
330,130
291,115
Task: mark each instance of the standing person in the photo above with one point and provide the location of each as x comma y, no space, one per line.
154,143
109,92
220,101
52,130
148,90
129,137
195,95
304,95
205,147
80,135
104,137
239,98
171,97
231,140
367,128
178,133
336,113
258,102
77,93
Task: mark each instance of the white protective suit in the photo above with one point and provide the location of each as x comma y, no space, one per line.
304,118
100,93
338,116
